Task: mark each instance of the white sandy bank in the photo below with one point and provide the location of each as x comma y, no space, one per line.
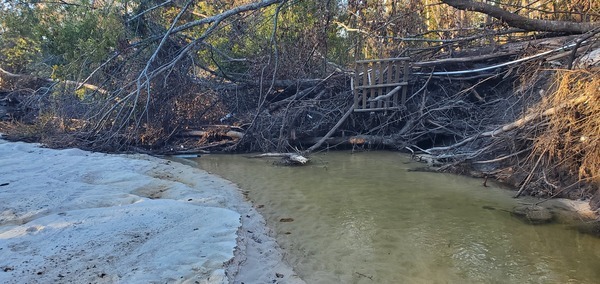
71,216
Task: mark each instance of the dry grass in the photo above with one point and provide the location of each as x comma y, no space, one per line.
570,140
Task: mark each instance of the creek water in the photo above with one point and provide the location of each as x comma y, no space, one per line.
364,218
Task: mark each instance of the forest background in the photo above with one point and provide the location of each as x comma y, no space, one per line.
504,89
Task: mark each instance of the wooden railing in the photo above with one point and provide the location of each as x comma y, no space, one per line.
378,83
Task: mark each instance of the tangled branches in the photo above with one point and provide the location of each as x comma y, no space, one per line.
568,141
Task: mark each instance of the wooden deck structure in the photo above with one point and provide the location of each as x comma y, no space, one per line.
378,83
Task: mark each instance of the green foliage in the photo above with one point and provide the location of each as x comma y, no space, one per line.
19,44
306,38
67,39
18,53
82,40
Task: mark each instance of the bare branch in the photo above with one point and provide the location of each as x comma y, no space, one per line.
149,10
226,14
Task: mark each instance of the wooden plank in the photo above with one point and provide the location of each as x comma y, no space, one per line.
372,82
380,91
384,60
405,79
387,95
395,78
379,77
365,83
356,84
388,81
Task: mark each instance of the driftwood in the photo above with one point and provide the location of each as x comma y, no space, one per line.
429,159
292,158
202,133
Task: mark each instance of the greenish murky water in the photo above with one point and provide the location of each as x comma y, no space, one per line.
363,218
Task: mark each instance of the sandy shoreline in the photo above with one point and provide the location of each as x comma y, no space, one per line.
76,216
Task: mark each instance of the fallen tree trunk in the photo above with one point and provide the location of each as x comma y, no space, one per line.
516,21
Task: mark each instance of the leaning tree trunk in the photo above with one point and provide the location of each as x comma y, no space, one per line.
514,20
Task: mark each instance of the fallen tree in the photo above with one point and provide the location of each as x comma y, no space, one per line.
514,20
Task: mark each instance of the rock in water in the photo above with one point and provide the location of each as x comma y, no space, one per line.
595,201
591,228
533,214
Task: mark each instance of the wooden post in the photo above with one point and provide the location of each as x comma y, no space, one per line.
405,80
372,82
388,81
396,78
356,84
363,91
380,76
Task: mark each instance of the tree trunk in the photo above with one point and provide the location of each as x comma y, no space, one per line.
514,20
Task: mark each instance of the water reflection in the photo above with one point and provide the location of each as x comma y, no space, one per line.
364,218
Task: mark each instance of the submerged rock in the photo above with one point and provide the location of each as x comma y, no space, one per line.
590,228
595,201
533,214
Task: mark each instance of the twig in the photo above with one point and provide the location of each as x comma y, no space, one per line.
148,10
529,176
501,158
546,180
578,44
